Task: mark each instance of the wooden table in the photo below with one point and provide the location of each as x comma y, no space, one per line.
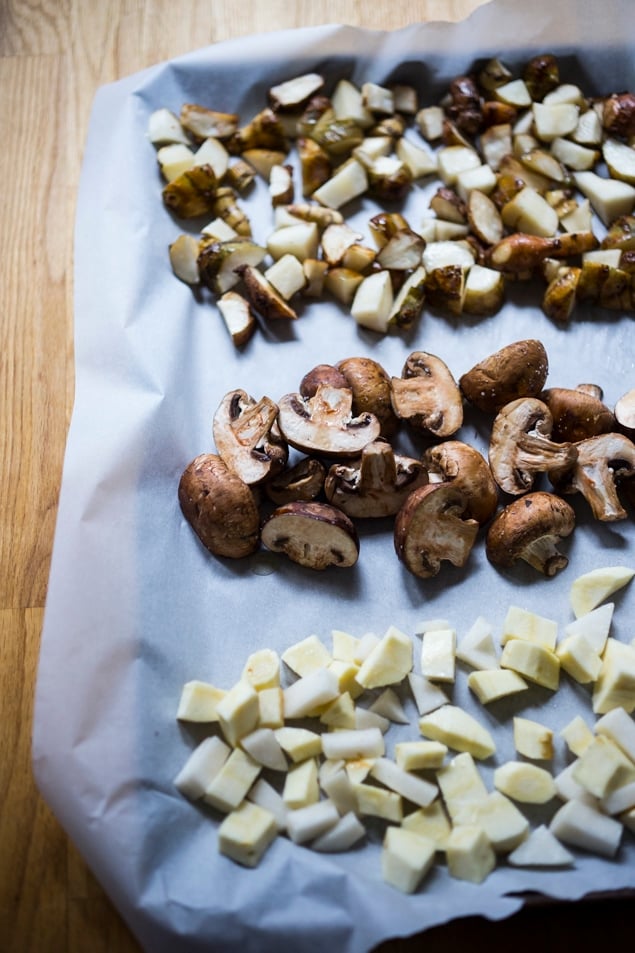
53,56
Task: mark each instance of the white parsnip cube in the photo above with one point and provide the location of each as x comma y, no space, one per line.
419,755
469,854
411,787
301,786
339,713
602,767
540,849
265,795
533,662
615,685
580,825
577,735
342,836
262,669
594,587
263,746
201,767
490,686
522,624
579,659
238,711
306,656
309,692
199,702
231,784
389,705
246,833
457,729
427,695
406,858
594,626
299,743
306,823
620,728
505,826
353,744
373,801
438,654
388,662
460,782
476,648
532,739
525,782
270,708
432,821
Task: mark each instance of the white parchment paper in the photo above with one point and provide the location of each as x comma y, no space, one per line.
136,607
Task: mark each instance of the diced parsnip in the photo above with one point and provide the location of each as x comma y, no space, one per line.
262,669
310,692
238,711
579,659
430,625
365,718
515,93
352,744
615,685
525,782
301,240
573,155
610,198
373,301
306,823
620,800
359,769
230,785
339,713
306,656
164,127
438,655
420,755
342,836
266,796
602,767
301,786
460,782
452,160
199,702
555,120
490,686
373,801
540,849
201,767
287,276
530,213
246,833
344,646
592,588
457,729
388,662
263,746
594,626
337,786
271,710
420,160
346,673
568,789
477,648
533,662
469,854
406,858
580,825
348,183
533,740
432,821
389,705
505,826
577,735
620,728
411,787
427,695
299,743
174,160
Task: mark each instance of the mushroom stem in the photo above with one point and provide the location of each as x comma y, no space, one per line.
542,554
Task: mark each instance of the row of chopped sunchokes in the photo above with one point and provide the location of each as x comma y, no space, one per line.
301,744
529,176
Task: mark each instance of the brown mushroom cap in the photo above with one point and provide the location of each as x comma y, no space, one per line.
377,484
625,412
321,374
219,507
303,481
576,414
520,445
517,370
529,529
427,396
315,535
371,388
247,437
325,424
600,461
459,463
430,527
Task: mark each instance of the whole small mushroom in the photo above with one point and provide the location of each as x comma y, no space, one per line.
461,464
315,535
529,529
247,436
600,462
427,395
377,484
516,370
219,507
324,424
520,445
576,414
431,527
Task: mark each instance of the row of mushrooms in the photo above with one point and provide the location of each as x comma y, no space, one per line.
296,476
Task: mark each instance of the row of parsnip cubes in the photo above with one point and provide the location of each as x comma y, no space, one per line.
270,772
529,170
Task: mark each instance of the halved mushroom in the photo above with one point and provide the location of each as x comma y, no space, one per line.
219,507
427,395
529,529
577,414
247,437
303,481
461,464
325,424
371,388
601,461
517,370
520,445
315,535
431,527
377,484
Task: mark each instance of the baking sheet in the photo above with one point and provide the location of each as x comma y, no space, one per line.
136,607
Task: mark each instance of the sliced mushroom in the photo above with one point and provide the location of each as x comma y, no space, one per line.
315,535
431,527
303,481
247,437
577,414
427,396
219,507
371,388
529,529
456,462
517,370
520,445
601,461
377,484
325,424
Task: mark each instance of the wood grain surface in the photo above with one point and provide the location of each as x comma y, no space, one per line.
53,56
